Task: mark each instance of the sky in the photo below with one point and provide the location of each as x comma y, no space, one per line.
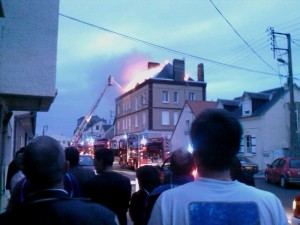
99,38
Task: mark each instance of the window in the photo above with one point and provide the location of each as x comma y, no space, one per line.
129,105
175,97
242,146
136,124
175,118
144,99
165,97
144,120
187,127
136,103
250,144
246,106
165,118
97,127
192,96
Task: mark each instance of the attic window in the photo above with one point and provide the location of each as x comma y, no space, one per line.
246,106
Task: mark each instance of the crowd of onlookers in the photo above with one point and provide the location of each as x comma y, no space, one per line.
48,186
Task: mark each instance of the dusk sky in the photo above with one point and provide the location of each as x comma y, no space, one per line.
98,38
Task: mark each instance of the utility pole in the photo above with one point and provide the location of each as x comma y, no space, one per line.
294,147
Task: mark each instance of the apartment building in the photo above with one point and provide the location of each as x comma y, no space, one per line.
152,108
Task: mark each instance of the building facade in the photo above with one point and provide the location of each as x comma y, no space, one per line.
152,108
181,135
265,118
28,47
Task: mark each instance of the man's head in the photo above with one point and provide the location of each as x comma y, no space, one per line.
182,163
72,155
148,177
216,137
44,163
103,158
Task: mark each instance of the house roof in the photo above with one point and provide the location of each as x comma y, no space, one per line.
262,101
198,107
167,73
106,127
260,95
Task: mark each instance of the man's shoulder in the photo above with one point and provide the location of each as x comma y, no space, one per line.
63,211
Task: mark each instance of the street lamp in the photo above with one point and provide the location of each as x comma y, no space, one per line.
281,60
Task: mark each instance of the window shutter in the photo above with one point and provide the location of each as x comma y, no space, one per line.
242,146
253,144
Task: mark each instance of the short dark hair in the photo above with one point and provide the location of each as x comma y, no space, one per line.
72,155
148,177
106,155
216,136
44,162
181,162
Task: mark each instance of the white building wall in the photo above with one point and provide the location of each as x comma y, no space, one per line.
180,137
271,131
24,63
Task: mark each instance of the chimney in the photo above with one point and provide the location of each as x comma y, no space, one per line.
178,70
152,65
200,72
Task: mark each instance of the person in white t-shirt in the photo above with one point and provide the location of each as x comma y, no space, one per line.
214,198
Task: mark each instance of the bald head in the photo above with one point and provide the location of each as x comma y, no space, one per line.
44,162
182,162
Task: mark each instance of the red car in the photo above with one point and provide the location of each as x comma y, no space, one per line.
284,171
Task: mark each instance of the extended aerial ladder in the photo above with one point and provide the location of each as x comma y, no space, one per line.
79,131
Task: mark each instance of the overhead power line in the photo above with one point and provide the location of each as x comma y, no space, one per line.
241,37
167,49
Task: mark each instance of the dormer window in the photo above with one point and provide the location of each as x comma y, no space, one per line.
246,107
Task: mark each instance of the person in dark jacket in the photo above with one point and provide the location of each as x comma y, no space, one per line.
13,168
109,188
81,174
181,166
148,179
48,202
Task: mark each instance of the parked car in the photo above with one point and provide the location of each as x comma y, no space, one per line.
295,220
86,161
248,166
284,170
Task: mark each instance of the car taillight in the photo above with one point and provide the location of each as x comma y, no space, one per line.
296,207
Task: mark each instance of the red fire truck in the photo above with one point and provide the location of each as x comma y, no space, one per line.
147,151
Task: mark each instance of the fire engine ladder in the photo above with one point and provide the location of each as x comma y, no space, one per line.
79,131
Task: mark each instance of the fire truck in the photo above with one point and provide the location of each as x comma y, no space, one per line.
134,153
101,143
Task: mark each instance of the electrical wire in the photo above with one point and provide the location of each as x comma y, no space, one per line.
241,37
165,48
